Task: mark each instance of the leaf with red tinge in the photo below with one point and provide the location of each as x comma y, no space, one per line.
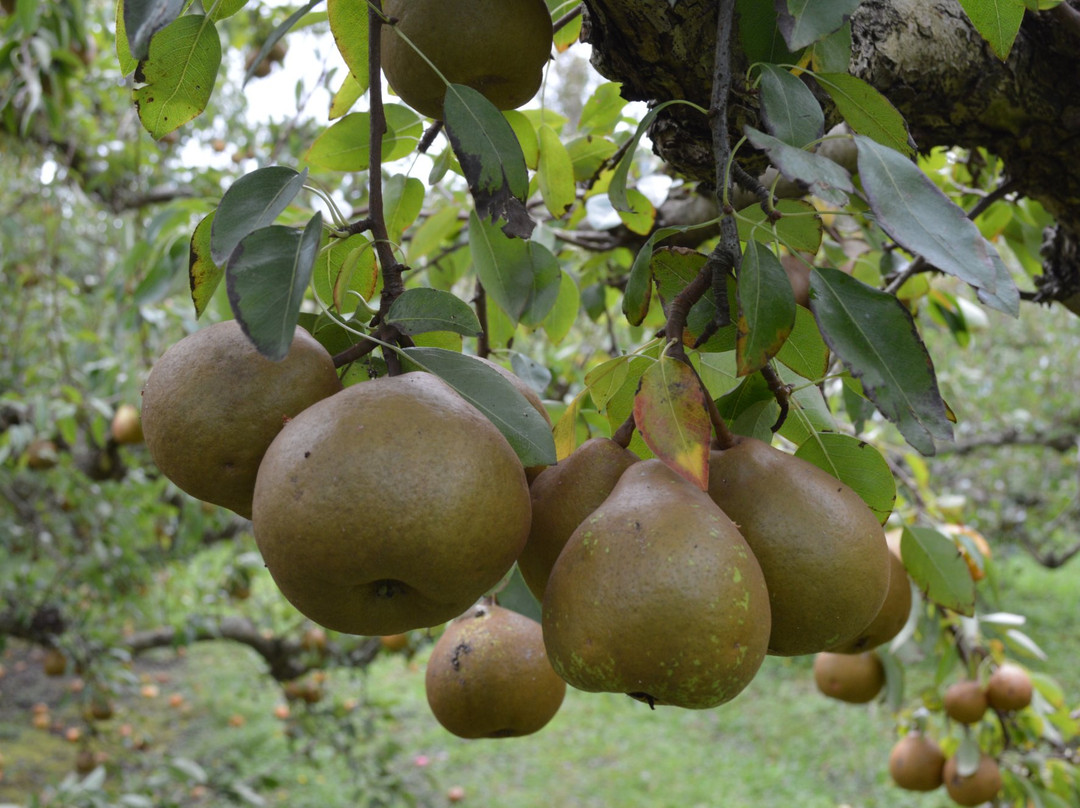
203,274
669,410
938,569
490,157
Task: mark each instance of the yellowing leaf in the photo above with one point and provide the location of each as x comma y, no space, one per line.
669,410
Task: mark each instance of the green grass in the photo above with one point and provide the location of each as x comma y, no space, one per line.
778,743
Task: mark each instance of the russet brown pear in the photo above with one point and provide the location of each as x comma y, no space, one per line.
488,675
563,495
822,550
658,596
212,404
392,505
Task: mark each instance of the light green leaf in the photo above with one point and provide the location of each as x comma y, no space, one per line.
804,351
203,274
403,198
178,76
857,464
997,21
555,173
867,111
938,570
349,26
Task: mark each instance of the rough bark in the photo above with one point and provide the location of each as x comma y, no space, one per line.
923,55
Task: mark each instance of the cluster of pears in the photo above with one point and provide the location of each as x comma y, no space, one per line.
496,47
382,507
674,595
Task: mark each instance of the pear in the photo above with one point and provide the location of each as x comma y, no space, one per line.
529,395
854,678
657,595
916,763
390,506
891,617
488,675
212,404
563,495
980,786
821,548
965,701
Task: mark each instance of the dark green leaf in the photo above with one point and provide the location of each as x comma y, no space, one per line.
522,277
790,111
833,53
799,229
822,176
997,21
638,292
517,597
760,35
252,202
867,111
766,308
938,569
203,274
144,18
491,393
914,212
266,277
804,22
876,338
490,157
178,76
750,409
418,310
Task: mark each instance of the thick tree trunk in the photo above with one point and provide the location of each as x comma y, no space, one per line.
923,55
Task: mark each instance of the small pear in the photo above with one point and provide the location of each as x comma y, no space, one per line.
980,786
821,548
658,596
854,678
489,677
563,495
916,763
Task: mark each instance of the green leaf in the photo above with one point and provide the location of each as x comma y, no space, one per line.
564,313
349,26
804,22
915,212
416,311
799,229
760,36
403,198
638,291
877,340
790,111
938,570
346,145
490,158
344,266
606,379
252,202
144,18
203,274
266,277
124,56
347,94
178,76
867,111
997,21
602,110
804,351
588,154
670,414
224,9
436,231
555,173
526,136
857,464
522,277
766,308
833,53
825,179
491,393
750,409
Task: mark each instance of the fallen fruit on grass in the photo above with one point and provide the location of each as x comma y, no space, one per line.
489,676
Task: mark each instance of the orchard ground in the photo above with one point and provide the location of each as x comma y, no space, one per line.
209,723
